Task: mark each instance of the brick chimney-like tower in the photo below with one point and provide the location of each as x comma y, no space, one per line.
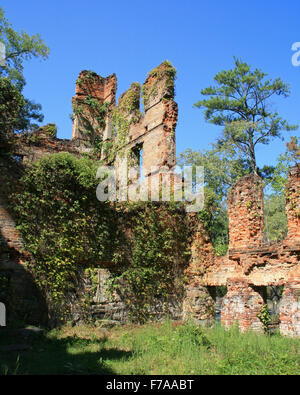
245,209
92,87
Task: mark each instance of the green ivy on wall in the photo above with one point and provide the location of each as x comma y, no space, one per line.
165,70
67,230
63,225
160,251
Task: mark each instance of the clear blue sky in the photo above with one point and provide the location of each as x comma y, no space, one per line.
131,37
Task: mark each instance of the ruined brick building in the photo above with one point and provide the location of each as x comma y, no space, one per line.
250,265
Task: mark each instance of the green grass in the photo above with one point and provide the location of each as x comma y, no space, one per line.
167,348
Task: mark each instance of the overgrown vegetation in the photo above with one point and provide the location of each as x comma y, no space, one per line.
63,225
264,316
239,102
11,103
90,112
150,88
125,114
19,47
223,167
153,349
160,251
69,233
66,229
275,217
221,171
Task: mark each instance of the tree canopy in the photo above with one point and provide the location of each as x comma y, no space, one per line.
240,102
19,47
221,169
11,104
286,160
16,49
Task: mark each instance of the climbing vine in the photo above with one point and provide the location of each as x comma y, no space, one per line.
67,230
90,111
150,88
125,114
293,204
91,117
264,316
160,252
63,225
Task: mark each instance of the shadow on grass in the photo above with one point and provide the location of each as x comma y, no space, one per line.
53,356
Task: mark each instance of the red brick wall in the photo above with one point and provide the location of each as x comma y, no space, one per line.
241,304
290,309
245,209
293,205
90,84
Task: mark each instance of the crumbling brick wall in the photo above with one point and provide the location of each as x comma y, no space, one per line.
18,291
127,132
9,235
252,264
198,304
149,136
293,205
92,89
245,210
30,147
154,130
290,308
124,131
241,304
